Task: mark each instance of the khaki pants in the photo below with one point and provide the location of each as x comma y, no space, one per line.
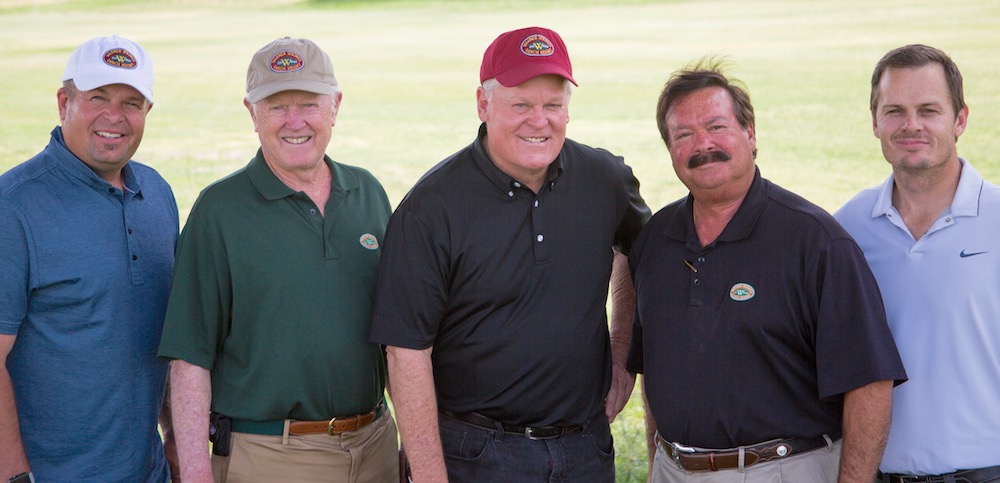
368,455
817,466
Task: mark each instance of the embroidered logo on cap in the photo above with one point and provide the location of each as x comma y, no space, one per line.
537,46
120,58
369,241
741,292
286,61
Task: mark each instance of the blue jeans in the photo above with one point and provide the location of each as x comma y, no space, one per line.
474,454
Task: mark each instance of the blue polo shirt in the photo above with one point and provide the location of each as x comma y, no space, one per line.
944,312
84,285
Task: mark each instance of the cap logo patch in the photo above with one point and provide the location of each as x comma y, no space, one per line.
742,292
537,46
286,61
369,241
120,58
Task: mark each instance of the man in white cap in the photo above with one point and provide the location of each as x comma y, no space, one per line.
87,240
493,287
269,314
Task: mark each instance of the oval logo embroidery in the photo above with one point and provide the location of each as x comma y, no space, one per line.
536,46
120,58
741,292
369,241
286,61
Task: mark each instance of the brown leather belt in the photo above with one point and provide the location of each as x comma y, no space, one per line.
299,428
333,426
697,459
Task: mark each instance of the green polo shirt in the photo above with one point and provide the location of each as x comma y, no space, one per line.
276,299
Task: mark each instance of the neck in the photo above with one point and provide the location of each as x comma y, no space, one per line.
712,216
921,197
314,182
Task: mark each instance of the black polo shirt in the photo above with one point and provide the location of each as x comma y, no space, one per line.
510,287
765,330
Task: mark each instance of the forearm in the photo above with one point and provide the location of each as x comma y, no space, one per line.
191,396
415,402
867,413
622,308
622,311
12,457
167,431
650,428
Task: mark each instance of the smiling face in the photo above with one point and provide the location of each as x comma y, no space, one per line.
526,126
294,128
711,152
103,126
915,119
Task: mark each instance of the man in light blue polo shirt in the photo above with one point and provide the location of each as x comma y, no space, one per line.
930,233
87,249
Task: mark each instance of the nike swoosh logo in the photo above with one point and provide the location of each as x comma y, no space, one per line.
967,255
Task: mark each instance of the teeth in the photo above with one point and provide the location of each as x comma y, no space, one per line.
297,140
105,134
534,140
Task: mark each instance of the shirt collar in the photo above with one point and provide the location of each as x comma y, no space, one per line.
965,203
76,168
500,179
738,228
271,188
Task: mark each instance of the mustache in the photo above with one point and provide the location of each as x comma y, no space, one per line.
702,159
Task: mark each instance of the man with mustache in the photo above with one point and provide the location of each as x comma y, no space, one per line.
930,234
759,328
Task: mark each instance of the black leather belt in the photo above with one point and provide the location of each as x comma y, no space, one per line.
698,459
530,432
979,475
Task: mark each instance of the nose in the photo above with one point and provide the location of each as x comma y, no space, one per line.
113,111
537,118
912,122
703,141
296,118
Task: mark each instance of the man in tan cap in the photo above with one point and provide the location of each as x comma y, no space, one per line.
493,285
272,300
87,240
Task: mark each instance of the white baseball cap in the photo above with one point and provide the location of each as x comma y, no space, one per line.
101,61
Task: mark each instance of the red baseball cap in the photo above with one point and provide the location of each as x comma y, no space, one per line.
522,54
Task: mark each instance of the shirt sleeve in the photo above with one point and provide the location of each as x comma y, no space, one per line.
854,346
198,313
14,277
413,285
636,215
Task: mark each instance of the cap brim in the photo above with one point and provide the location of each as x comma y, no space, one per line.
527,72
90,82
264,91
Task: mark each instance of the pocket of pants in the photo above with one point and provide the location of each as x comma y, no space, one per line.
465,445
600,435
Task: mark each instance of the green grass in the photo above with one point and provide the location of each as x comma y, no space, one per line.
409,69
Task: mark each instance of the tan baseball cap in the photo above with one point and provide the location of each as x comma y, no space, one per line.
290,64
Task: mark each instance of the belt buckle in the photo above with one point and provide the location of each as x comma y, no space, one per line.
678,449
529,433
329,426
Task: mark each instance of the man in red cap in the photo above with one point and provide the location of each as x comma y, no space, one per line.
493,284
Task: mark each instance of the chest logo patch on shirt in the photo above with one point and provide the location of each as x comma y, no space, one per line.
368,241
741,292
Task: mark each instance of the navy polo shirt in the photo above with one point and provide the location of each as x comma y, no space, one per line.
759,334
510,287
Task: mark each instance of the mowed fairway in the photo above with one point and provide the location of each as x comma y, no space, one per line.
409,72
